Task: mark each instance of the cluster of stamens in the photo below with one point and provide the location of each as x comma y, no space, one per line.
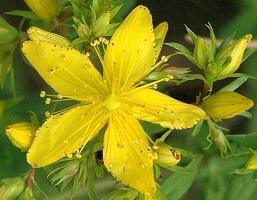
57,98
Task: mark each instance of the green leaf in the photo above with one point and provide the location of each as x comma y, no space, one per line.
241,187
177,185
7,32
234,84
248,53
197,128
22,13
246,140
122,194
192,35
6,62
212,49
246,114
185,52
235,75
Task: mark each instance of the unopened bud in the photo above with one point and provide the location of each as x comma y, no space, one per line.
252,162
44,9
235,51
21,134
225,105
11,188
201,52
39,35
167,156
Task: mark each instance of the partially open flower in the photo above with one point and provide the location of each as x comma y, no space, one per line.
235,52
167,156
44,9
21,134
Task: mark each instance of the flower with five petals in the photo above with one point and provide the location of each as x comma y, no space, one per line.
115,99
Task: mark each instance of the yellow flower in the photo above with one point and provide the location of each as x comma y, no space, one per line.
44,9
115,99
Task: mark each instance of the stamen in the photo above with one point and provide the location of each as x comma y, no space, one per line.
42,94
149,85
48,100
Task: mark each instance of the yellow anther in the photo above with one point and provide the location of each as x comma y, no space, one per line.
77,155
164,59
42,94
47,114
48,100
59,96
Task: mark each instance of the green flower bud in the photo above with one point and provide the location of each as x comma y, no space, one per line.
11,188
21,134
167,156
44,9
7,32
251,164
201,52
235,52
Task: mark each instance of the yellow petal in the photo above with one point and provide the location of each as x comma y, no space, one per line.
44,9
40,35
127,154
225,104
63,134
155,107
160,33
130,53
65,69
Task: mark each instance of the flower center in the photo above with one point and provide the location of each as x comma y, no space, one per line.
111,102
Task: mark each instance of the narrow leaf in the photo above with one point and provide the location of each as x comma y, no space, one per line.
235,84
177,185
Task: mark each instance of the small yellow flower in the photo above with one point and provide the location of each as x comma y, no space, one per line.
21,134
44,9
225,105
115,98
